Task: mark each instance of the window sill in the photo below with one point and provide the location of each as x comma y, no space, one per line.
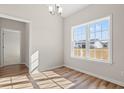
91,60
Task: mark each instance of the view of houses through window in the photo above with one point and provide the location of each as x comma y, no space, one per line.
91,40
79,41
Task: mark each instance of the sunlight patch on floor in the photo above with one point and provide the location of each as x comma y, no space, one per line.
38,76
6,87
15,82
51,74
44,80
20,78
5,81
51,80
64,83
47,84
26,85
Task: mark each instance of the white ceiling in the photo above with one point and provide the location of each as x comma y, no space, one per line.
69,9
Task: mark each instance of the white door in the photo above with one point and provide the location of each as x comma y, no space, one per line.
11,47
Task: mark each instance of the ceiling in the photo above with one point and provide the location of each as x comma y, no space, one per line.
69,9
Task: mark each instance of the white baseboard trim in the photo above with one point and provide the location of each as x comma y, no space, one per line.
14,64
26,64
98,76
50,68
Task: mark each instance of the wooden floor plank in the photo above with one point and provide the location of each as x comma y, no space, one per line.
85,83
111,86
95,84
17,77
103,85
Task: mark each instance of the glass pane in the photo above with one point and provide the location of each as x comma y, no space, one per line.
92,36
92,28
105,43
92,42
98,36
105,24
74,34
75,52
98,27
83,48
98,53
84,52
79,52
92,49
80,42
104,35
105,50
98,48
83,38
105,54
101,47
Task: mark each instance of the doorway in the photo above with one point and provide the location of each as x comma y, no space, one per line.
10,47
18,29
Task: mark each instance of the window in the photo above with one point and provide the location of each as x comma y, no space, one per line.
92,40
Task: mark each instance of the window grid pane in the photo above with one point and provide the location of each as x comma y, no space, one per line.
79,42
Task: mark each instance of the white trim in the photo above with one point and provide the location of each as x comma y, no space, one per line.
97,76
26,64
29,43
93,61
111,39
1,50
2,15
92,21
87,40
50,68
12,30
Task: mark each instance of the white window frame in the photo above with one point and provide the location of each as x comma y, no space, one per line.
87,41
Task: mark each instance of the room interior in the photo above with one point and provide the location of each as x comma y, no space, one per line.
66,46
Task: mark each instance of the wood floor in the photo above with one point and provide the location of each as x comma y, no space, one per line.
17,77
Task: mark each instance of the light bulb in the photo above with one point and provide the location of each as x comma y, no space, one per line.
57,5
51,10
60,10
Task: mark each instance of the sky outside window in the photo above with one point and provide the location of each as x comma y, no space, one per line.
79,33
98,31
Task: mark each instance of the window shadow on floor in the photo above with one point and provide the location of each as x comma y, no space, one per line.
51,80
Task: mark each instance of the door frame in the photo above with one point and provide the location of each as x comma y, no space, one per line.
2,44
1,48
28,28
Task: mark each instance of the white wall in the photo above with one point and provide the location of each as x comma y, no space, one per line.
112,72
46,34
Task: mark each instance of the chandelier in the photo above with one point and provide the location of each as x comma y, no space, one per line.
55,9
